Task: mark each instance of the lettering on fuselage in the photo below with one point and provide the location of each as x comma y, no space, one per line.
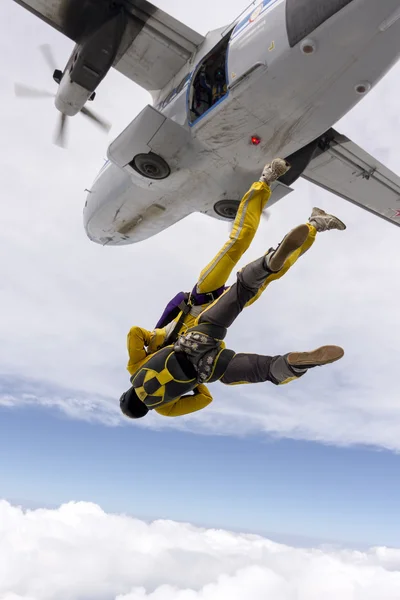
173,93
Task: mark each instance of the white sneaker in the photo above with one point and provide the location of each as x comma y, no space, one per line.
322,221
274,170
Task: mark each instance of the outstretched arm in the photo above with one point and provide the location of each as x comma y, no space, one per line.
187,404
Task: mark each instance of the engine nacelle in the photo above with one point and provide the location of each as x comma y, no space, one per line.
89,63
71,97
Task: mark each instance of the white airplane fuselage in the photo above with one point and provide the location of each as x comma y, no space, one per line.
288,83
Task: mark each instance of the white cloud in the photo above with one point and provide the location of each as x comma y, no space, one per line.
67,303
78,551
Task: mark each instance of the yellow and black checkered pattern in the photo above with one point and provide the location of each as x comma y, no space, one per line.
161,379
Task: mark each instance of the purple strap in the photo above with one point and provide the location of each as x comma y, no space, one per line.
207,297
170,308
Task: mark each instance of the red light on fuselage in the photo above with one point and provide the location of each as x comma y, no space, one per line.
255,140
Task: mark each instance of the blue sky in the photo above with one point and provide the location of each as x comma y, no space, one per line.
294,491
315,462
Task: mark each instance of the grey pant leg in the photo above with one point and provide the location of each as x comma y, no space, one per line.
232,302
255,368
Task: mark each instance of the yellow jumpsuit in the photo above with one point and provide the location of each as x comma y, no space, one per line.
142,343
247,220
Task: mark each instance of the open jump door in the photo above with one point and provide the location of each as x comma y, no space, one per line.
209,84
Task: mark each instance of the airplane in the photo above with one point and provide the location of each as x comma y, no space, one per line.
272,83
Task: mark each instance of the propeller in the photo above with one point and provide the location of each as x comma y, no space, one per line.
48,56
25,91
61,132
60,135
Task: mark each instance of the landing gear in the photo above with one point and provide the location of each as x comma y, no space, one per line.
151,166
227,209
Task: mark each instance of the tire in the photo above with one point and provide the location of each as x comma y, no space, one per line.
227,209
151,166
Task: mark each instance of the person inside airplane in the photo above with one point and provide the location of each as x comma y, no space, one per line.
162,381
182,310
219,88
203,90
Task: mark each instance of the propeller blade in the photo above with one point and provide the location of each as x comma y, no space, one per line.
102,123
48,56
60,136
24,91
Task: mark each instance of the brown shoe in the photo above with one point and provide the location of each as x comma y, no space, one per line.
291,242
316,358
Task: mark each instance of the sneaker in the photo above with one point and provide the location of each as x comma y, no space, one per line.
315,358
274,170
291,242
322,221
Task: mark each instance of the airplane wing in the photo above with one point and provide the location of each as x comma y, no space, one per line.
154,48
345,169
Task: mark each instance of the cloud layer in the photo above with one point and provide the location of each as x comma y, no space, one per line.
79,552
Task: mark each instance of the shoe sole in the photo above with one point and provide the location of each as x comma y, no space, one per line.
279,167
294,240
321,356
342,226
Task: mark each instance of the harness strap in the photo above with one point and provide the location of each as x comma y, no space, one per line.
184,307
205,297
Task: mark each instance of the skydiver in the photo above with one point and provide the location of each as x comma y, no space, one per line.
163,380
182,310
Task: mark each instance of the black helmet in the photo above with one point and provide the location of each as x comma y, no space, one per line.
132,406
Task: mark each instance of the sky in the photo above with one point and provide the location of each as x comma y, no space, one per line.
313,465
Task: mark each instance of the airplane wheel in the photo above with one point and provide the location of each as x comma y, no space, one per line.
151,165
227,208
